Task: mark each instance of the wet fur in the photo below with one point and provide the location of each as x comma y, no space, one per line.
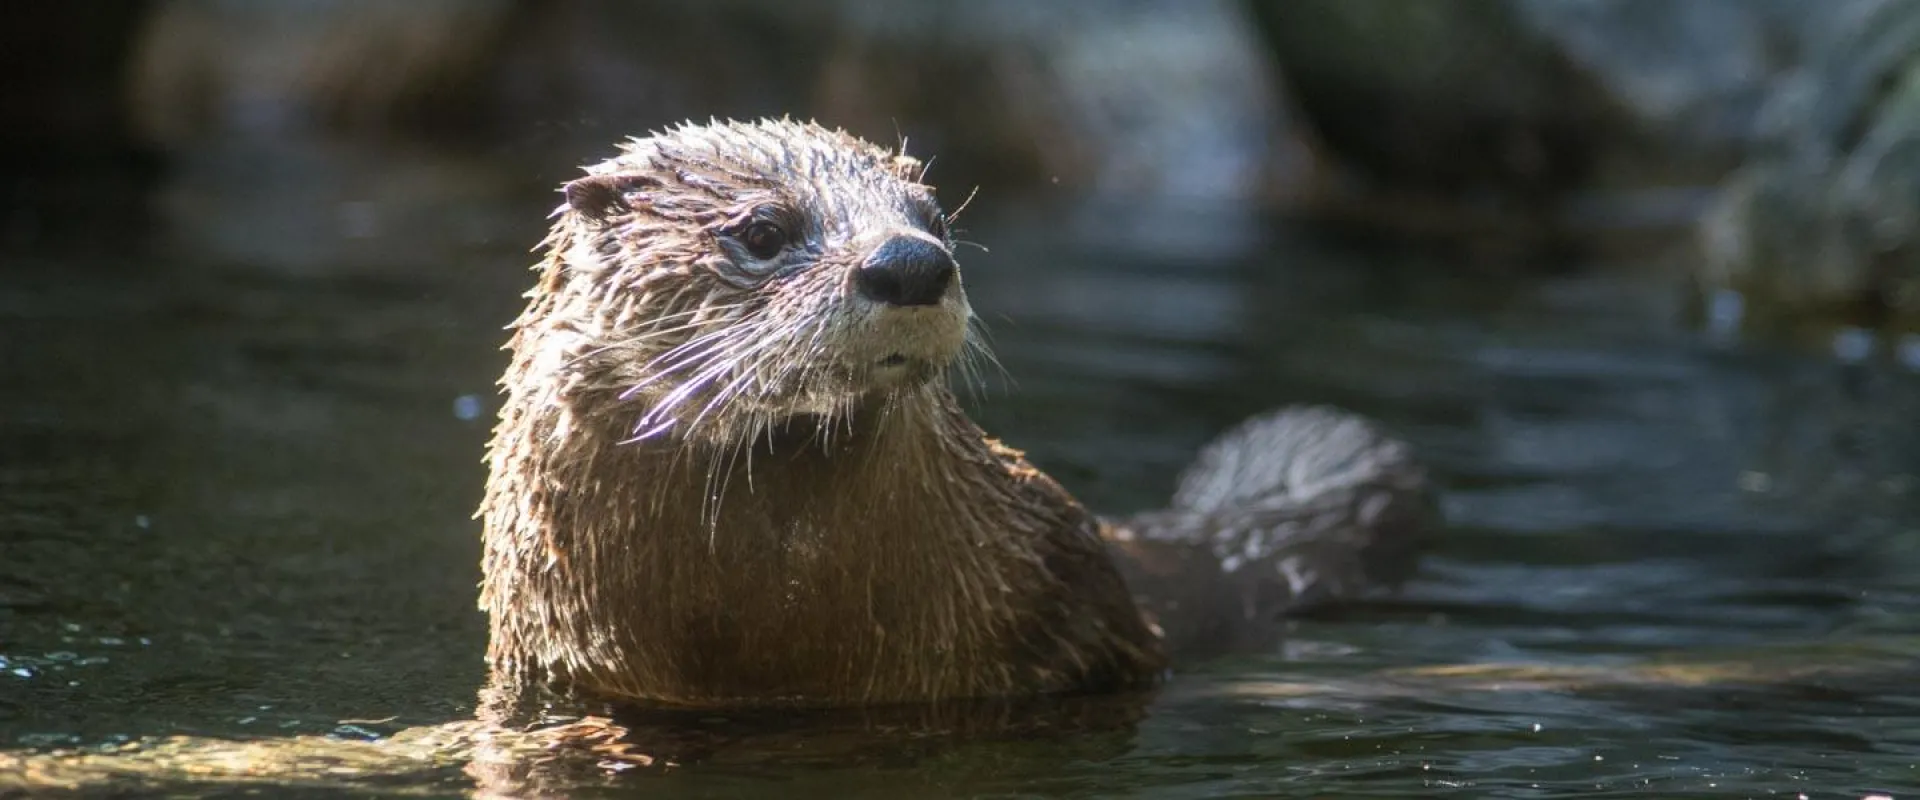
715,487
703,491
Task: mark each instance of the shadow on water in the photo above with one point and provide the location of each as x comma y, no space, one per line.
238,463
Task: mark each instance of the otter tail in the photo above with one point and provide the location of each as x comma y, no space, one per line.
1301,506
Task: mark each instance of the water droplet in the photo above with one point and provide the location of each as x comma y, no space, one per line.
142,521
467,407
1725,310
1909,351
1852,345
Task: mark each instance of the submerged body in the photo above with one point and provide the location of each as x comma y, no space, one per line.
729,470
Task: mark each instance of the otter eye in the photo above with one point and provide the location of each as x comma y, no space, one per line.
764,240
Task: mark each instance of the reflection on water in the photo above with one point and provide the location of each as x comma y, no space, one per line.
237,470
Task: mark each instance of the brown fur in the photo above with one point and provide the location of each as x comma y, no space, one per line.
705,490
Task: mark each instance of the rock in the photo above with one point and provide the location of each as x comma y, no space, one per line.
1141,98
1825,218
1451,98
224,67
1546,109
1515,122
1693,74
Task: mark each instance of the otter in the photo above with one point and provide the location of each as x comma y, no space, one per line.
729,471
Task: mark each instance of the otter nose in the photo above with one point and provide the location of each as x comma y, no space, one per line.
906,271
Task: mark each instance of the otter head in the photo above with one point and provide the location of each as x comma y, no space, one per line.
735,276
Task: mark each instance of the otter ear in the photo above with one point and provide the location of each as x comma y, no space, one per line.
597,197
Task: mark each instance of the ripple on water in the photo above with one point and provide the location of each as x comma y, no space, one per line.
249,488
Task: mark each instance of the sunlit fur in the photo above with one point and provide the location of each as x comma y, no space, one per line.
717,481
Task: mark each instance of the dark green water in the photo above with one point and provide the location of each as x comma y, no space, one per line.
237,466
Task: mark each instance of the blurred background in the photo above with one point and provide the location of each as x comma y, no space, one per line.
1775,136
1638,278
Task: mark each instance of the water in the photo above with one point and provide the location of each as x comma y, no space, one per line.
237,465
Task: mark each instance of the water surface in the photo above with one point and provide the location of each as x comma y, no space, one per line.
238,462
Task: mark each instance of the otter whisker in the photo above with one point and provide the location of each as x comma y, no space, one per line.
642,435
635,342
690,351
695,351
757,351
746,351
972,353
664,372
719,474
889,406
701,380
786,368
660,333
957,210
789,365
665,406
979,343
814,360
